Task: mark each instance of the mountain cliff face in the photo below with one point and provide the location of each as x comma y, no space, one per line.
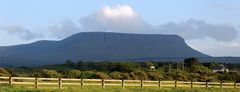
99,46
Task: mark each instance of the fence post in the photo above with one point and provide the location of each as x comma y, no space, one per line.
10,80
159,83
206,84
103,83
141,83
191,84
176,84
82,82
123,83
235,84
36,82
221,84
60,83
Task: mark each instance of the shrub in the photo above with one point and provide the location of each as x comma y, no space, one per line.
87,74
4,72
200,69
49,74
72,74
194,76
176,74
154,76
148,65
141,75
116,75
101,75
203,77
133,76
138,75
126,76
17,74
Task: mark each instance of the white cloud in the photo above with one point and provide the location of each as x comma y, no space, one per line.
195,29
120,18
235,44
117,11
62,30
22,33
225,7
59,30
216,48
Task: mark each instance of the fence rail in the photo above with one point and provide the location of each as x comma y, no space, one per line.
67,82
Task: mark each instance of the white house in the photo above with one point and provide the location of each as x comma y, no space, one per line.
152,67
220,68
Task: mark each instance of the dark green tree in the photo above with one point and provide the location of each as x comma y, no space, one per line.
125,67
189,62
70,63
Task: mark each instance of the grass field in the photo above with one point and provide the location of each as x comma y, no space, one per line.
110,89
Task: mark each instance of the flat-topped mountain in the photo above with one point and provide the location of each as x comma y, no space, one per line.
99,46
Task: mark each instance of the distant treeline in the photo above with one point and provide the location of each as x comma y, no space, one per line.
188,70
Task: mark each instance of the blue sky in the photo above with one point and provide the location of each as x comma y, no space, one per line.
25,21
155,11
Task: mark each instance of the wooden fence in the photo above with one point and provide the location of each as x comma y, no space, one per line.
67,82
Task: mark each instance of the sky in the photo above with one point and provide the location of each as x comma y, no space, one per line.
210,26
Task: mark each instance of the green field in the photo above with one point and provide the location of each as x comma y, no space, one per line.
111,89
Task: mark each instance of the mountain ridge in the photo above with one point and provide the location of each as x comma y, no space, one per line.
101,46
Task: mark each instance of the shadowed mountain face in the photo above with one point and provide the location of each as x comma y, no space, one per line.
99,46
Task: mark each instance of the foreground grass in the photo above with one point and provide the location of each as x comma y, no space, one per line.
110,89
